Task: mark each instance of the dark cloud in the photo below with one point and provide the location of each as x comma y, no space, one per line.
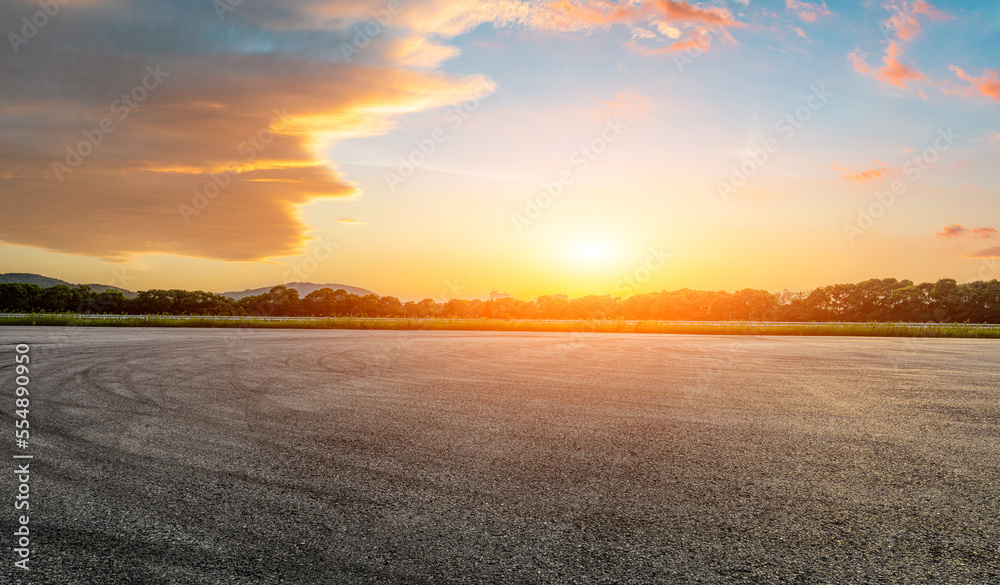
117,115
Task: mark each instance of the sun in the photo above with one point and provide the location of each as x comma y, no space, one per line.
593,252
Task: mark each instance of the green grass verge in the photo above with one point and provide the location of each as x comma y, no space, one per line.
605,326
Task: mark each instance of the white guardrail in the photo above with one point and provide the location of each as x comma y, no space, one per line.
457,320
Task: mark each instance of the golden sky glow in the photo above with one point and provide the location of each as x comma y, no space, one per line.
442,148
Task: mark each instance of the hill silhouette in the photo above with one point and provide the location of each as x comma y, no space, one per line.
304,289
47,282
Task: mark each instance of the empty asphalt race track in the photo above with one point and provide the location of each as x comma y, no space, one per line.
266,456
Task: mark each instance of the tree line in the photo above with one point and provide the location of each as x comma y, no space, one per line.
882,300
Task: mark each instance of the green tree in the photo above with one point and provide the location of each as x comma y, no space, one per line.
19,297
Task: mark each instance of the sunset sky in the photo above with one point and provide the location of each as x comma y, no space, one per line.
414,147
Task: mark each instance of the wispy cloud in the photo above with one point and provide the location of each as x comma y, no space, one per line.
679,25
893,71
859,175
955,231
575,15
807,11
993,252
626,103
988,84
904,23
951,231
349,221
903,26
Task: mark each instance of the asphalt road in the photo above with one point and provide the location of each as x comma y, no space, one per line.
220,456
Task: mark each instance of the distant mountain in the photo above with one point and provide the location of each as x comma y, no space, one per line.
46,282
304,289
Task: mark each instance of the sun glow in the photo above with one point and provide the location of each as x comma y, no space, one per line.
593,252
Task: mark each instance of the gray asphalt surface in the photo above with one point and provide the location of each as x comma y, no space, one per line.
265,456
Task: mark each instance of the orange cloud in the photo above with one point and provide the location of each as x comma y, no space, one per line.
576,14
236,138
628,101
700,42
951,231
449,18
904,25
869,174
588,12
701,23
987,85
679,11
859,62
893,71
904,21
926,8
806,11
955,230
859,175
193,132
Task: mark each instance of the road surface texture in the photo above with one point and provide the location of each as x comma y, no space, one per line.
266,456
